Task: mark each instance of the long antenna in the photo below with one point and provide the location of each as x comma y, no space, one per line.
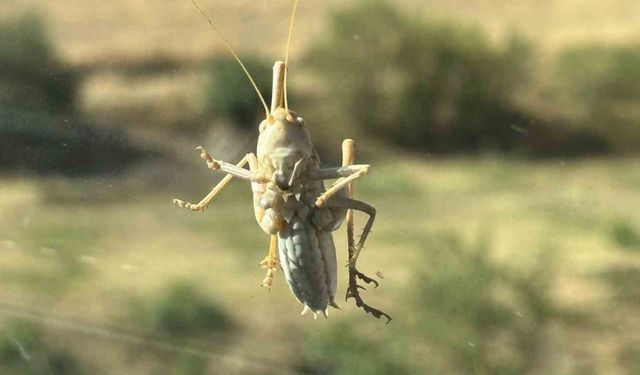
266,109
286,57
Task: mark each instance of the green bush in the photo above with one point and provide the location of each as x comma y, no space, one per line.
342,349
51,143
230,95
624,282
476,316
38,128
462,313
432,86
625,235
599,88
182,310
31,75
23,350
189,364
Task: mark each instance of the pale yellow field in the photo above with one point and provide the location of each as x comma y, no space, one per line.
90,32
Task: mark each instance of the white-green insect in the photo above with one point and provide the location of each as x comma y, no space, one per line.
291,203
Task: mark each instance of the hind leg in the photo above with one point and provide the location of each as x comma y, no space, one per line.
353,289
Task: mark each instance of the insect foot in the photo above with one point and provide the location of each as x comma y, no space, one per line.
211,162
353,291
271,264
187,205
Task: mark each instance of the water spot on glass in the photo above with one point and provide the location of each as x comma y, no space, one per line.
47,251
519,129
127,267
88,259
23,352
9,245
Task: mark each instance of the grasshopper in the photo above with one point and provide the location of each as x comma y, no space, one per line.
291,203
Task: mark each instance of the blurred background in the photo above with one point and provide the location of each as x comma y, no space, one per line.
504,139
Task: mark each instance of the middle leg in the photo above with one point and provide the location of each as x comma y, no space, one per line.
270,262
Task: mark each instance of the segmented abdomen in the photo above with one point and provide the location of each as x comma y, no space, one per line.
308,258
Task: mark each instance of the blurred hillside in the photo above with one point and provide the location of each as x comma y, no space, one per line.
442,82
87,32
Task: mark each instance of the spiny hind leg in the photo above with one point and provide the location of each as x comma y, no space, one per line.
348,158
271,262
353,289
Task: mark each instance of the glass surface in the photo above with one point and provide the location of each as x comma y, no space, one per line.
503,139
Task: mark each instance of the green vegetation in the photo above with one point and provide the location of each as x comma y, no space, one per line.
432,86
230,95
443,87
189,365
625,235
182,310
459,304
341,349
24,351
464,313
600,87
32,76
57,254
480,317
38,125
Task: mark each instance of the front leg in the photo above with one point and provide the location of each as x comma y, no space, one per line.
204,202
232,171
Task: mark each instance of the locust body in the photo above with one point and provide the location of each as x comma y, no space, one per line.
286,208
292,205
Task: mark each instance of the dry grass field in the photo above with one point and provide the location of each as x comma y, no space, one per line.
88,32
83,267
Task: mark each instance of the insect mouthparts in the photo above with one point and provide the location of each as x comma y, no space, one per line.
281,181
